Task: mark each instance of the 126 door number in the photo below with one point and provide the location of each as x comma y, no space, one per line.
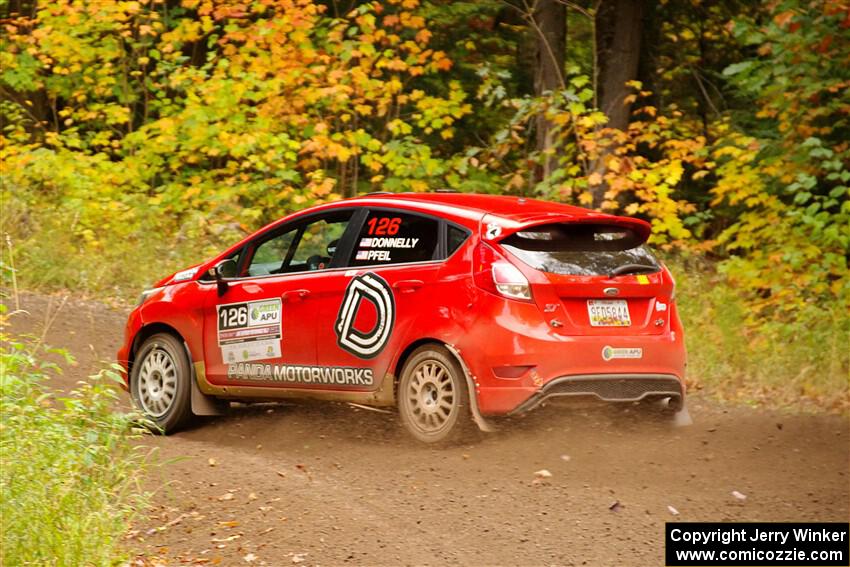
233,316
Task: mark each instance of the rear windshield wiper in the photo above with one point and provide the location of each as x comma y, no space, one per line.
632,269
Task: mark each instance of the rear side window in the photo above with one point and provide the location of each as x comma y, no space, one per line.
582,249
389,237
454,238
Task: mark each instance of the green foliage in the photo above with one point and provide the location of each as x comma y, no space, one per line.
133,120
70,470
799,364
640,168
789,182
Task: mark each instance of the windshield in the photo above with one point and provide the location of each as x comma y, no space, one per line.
581,249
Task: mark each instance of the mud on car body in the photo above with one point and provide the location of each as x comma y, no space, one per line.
451,307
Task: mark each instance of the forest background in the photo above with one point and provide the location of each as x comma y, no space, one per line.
140,137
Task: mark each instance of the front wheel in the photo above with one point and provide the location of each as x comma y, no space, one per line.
433,398
160,382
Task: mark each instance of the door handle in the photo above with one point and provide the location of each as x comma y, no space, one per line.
295,295
408,286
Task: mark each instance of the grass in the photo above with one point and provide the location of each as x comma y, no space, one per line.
69,475
802,364
48,255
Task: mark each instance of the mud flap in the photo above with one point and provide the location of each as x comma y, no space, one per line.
206,405
201,403
479,420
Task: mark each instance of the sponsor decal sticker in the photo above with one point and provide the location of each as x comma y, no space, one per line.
610,353
250,350
388,242
642,279
337,376
493,231
659,306
379,255
249,331
367,287
185,275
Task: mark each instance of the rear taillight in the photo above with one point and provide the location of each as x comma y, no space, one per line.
509,280
492,272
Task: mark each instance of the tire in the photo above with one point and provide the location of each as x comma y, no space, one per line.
160,382
433,397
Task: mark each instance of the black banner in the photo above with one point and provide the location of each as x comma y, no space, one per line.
764,544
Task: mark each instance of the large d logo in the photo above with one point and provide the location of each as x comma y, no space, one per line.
370,287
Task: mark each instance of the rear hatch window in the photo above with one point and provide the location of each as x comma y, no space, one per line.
582,249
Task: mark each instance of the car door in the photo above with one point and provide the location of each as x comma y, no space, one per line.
260,331
366,311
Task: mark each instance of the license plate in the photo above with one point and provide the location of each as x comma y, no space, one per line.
608,312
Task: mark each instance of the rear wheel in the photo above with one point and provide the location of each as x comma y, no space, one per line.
433,398
160,382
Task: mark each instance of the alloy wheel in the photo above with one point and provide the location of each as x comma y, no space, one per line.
157,383
431,396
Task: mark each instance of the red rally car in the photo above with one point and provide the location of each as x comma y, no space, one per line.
452,307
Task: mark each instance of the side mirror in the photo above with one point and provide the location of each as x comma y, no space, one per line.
222,271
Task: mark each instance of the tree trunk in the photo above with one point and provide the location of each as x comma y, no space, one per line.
618,31
618,39
550,27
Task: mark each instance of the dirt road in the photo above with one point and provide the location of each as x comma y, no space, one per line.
328,484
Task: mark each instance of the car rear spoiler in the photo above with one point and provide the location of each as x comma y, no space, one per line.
494,228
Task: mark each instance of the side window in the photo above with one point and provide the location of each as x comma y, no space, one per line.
269,257
389,237
454,238
305,247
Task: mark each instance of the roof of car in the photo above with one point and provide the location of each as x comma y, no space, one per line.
471,205
466,208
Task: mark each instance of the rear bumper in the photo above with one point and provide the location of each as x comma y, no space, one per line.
517,360
609,388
